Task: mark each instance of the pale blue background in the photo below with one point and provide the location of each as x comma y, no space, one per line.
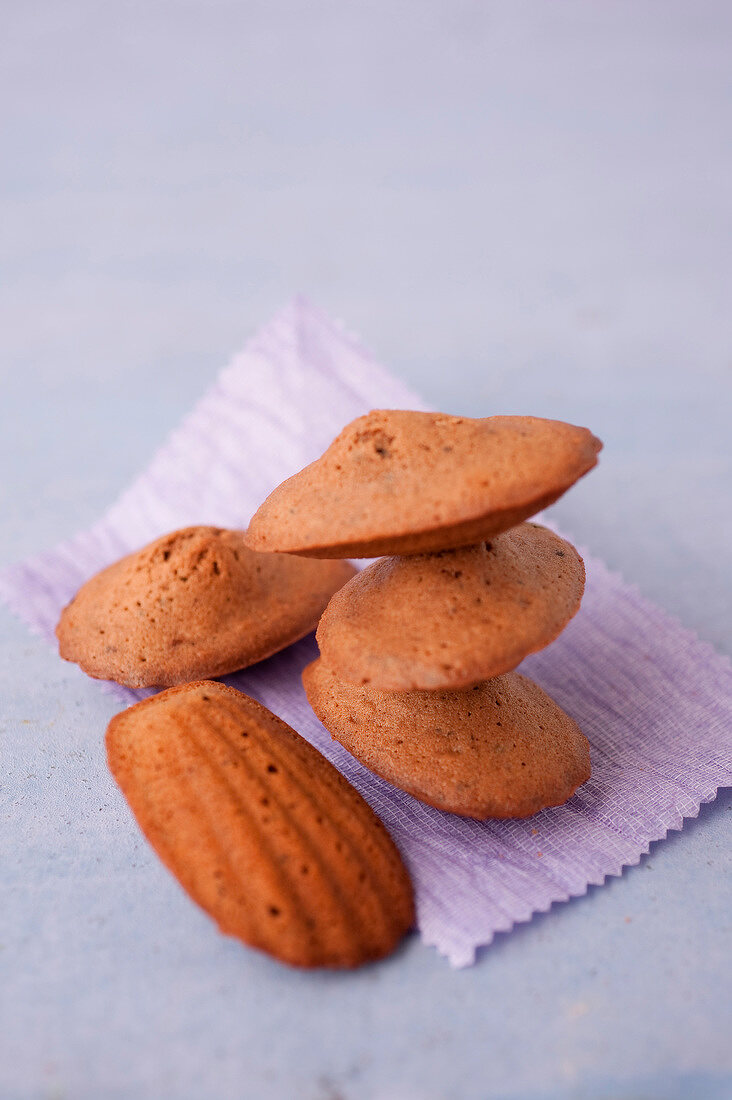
523,207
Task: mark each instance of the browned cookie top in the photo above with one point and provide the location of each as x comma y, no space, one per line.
193,603
501,749
259,828
397,482
450,619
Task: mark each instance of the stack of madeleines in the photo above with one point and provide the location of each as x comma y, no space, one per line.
415,675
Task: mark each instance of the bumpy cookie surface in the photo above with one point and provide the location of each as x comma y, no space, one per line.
259,828
451,619
500,749
194,603
396,482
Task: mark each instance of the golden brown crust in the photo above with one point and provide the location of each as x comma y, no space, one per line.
196,602
451,619
399,482
259,828
501,749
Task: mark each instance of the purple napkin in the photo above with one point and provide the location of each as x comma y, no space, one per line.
654,701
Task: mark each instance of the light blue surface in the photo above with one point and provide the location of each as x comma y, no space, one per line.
524,208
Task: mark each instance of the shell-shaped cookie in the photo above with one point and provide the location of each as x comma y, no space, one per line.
400,482
451,619
259,828
501,749
194,603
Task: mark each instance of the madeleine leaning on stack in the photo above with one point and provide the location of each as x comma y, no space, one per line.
415,676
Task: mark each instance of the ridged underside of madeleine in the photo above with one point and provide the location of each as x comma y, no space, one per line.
259,828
